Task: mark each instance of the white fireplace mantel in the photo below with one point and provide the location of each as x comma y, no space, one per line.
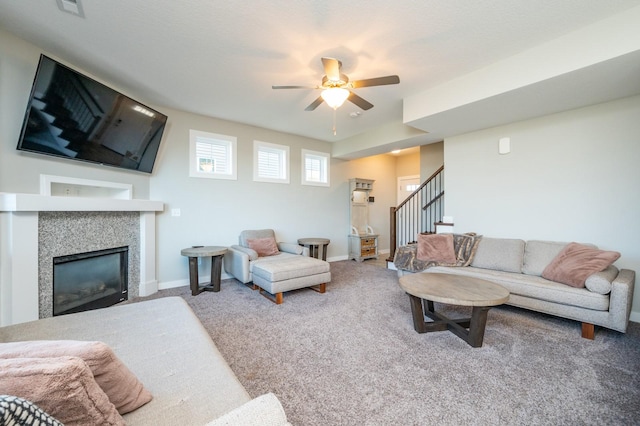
19,245
46,203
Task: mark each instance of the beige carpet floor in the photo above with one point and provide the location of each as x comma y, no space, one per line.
351,357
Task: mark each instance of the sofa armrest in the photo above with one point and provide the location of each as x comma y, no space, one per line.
263,410
621,299
236,262
291,248
253,255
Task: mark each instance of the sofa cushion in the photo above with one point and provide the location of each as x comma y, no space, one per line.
62,386
263,246
538,254
501,254
165,345
289,267
255,233
600,282
534,287
436,248
576,262
122,387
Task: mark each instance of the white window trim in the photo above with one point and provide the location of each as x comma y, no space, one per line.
233,155
283,150
327,161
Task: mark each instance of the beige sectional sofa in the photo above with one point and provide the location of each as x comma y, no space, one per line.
164,344
518,265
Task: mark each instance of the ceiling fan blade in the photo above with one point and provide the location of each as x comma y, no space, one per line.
378,81
294,87
314,104
332,68
364,104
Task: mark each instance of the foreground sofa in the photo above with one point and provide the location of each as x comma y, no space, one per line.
518,266
164,344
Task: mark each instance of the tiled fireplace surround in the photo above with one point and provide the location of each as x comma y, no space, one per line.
65,233
35,228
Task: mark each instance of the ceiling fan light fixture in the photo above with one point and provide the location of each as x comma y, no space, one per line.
335,96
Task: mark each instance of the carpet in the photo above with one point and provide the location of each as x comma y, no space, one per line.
351,357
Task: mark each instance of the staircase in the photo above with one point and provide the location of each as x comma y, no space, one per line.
418,213
63,118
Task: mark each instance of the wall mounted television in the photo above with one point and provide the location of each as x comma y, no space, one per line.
72,116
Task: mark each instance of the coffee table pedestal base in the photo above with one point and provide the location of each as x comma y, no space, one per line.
471,330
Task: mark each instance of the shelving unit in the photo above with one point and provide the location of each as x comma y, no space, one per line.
363,242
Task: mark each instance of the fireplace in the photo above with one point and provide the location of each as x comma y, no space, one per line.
91,280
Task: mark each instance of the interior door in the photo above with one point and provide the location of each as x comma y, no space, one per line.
406,186
127,132
410,215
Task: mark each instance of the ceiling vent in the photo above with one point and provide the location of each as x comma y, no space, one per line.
71,6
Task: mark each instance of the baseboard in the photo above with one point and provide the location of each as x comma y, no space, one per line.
635,316
185,282
337,258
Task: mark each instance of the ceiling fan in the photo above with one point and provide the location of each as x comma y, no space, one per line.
336,87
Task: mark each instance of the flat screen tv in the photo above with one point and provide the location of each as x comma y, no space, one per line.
72,116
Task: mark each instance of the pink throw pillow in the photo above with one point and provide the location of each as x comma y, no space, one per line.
63,387
122,387
436,248
263,246
576,262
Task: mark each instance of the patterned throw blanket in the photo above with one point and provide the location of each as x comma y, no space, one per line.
464,245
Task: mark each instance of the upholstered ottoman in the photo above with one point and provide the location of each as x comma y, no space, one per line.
291,273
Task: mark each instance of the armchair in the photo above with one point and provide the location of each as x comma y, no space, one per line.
274,267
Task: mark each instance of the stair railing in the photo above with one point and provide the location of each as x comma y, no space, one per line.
84,109
418,213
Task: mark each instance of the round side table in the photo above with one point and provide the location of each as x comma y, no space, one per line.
193,253
317,246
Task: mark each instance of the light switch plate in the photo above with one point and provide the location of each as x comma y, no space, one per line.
504,146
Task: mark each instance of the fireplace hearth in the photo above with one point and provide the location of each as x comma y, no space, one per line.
91,280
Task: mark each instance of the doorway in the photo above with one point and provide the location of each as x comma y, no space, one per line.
406,186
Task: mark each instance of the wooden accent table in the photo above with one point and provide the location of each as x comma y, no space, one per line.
426,288
317,246
193,253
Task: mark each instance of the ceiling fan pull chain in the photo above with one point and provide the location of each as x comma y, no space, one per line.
334,121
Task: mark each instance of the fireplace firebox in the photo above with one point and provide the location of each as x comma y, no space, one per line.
92,280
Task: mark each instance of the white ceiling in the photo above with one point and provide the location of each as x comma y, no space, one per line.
220,58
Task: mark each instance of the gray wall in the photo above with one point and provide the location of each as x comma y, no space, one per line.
431,158
571,176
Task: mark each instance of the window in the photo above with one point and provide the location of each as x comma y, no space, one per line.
212,156
315,168
270,162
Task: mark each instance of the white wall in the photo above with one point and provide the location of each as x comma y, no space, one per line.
19,171
214,212
571,176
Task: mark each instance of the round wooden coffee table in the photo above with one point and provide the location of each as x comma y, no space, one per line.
453,290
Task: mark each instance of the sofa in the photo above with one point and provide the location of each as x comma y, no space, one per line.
165,346
604,299
274,267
